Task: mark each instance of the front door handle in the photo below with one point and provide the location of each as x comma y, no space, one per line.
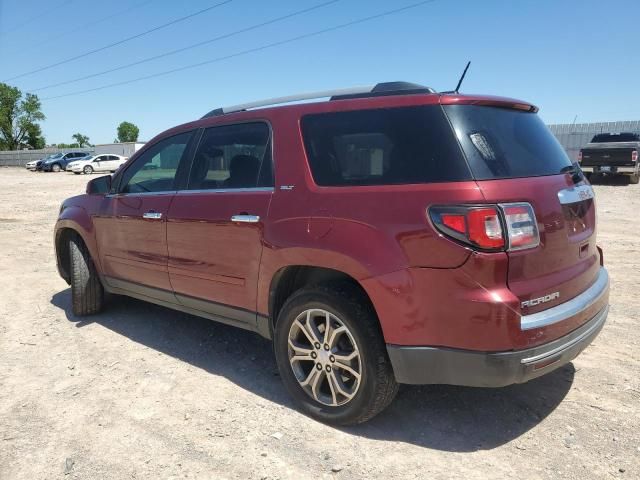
245,218
152,215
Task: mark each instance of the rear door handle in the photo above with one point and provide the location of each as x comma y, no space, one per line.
152,215
245,218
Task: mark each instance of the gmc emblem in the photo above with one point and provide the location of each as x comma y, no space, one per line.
537,301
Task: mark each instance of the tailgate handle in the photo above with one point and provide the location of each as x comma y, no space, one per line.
244,218
152,215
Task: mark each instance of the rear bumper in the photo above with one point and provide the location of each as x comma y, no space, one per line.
439,365
626,170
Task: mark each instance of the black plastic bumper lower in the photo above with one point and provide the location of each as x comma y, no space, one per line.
432,365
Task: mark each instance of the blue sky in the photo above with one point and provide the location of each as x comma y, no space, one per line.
568,57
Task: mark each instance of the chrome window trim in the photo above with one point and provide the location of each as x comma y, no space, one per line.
570,308
226,190
140,194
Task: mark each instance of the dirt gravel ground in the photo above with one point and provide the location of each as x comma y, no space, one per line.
141,391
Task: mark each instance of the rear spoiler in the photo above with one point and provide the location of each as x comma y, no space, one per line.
488,101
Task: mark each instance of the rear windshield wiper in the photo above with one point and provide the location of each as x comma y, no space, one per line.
575,171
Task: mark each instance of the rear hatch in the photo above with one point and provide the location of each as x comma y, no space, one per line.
515,158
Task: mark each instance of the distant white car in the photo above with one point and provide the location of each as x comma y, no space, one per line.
97,163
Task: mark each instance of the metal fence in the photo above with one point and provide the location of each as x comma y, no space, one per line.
19,158
575,136
572,136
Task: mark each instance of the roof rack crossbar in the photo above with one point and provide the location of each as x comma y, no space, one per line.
291,98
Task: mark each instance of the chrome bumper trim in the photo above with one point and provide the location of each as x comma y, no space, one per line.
568,309
597,323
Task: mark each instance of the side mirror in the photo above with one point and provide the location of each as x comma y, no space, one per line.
99,186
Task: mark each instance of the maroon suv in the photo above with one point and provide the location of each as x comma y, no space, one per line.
390,234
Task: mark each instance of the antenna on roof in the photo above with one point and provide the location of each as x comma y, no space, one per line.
462,77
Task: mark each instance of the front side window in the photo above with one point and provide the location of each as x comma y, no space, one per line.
232,156
383,147
155,170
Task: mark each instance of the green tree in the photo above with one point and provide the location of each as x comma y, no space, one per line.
81,140
127,132
34,137
19,117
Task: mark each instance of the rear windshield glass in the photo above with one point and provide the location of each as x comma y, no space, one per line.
383,146
615,137
505,143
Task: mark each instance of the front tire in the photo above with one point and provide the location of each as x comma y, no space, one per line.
55,167
331,355
88,169
87,293
634,179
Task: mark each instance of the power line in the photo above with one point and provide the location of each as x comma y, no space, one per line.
245,52
188,47
120,42
37,17
84,26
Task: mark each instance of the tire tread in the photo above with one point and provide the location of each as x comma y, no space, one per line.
87,293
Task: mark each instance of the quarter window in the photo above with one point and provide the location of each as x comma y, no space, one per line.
384,146
155,170
232,156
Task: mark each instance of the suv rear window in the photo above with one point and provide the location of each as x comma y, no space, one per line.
615,137
506,143
383,146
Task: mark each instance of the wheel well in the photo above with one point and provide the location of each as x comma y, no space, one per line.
62,251
290,279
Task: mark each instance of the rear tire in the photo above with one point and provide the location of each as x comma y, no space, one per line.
634,179
87,293
339,305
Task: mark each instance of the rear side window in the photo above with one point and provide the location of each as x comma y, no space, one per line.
506,143
233,156
383,147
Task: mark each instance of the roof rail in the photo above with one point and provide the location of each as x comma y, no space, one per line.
381,89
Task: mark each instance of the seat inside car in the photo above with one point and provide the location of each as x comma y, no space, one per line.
243,172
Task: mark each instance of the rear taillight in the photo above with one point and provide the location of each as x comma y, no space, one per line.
579,156
634,156
510,226
522,228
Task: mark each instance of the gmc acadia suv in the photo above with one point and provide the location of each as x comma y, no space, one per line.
387,235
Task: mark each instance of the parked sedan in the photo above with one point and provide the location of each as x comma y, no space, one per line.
34,165
97,163
59,161
87,156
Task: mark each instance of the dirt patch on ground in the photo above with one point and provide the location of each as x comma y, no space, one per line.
141,391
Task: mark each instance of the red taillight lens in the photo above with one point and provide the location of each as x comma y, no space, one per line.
455,222
579,156
634,156
477,226
522,228
484,228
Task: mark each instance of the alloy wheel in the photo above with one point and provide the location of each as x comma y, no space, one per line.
324,357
